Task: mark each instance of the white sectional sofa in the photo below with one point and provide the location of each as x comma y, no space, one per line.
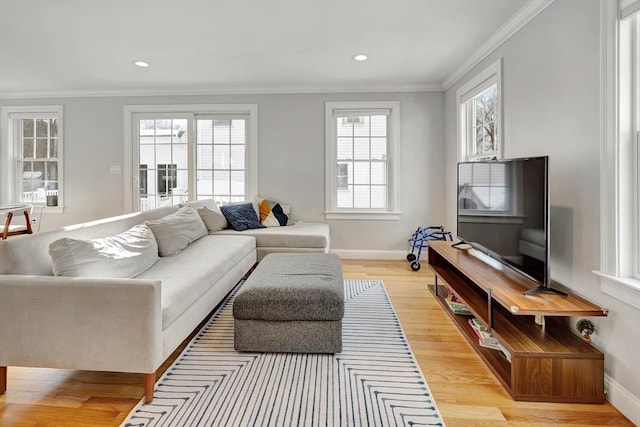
124,324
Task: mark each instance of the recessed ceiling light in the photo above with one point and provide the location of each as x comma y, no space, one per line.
360,57
140,63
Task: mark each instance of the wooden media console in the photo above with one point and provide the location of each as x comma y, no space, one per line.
547,361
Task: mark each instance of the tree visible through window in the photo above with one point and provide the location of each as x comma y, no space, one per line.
483,106
479,101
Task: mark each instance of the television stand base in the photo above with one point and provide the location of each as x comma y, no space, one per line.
540,289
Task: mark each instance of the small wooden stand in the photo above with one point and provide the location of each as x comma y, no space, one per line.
548,362
13,230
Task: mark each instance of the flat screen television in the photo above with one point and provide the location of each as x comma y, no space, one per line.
503,213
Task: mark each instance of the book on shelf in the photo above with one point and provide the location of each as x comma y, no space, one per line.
457,306
505,351
485,339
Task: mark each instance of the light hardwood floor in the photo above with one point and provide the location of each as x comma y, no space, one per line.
466,392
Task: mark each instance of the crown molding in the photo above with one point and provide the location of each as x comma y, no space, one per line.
427,87
517,21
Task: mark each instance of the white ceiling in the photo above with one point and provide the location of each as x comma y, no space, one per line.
66,47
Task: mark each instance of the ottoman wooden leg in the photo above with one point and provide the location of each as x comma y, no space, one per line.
149,383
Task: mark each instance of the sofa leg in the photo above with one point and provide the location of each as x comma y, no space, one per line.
149,383
3,379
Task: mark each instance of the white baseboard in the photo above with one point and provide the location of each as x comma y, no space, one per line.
622,399
373,254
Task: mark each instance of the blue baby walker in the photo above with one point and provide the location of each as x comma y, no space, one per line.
420,239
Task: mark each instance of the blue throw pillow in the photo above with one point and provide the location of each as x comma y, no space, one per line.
241,217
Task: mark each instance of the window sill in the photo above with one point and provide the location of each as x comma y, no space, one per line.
40,209
363,215
626,289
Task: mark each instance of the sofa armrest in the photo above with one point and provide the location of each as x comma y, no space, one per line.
80,323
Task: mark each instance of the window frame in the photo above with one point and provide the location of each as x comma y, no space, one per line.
619,272
131,176
392,211
490,76
9,190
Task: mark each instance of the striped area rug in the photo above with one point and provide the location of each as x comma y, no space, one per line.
375,381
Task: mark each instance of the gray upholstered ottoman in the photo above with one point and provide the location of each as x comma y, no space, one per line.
291,303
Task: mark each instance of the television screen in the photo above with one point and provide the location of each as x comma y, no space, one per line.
503,212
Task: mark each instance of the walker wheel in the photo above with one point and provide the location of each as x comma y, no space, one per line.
411,257
415,265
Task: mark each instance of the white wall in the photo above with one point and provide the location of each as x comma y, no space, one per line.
551,106
291,160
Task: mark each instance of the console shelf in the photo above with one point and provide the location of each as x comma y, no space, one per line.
548,362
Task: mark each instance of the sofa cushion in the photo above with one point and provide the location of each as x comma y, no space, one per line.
197,204
241,217
188,275
299,235
123,256
213,219
29,254
273,214
176,231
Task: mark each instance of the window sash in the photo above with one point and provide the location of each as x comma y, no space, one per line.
225,166
362,193
44,161
153,173
340,164
489,78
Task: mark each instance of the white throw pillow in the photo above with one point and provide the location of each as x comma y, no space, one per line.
213,220
176,231
124,255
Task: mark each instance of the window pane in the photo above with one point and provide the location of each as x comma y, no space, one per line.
345,197
378,173
41,148
221,132
42,128
205,132
53,128
378,125
51,172
204,156
180,156
361,196
361,173
221,183
378,148
237,157
378,197
343,127
27,148
221,156
204,182
361,148
27,127
345,149
53,148
238,133
361,127
237,182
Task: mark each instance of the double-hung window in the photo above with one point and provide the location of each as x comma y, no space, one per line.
32,161
190,152
361,164
479,115
620,180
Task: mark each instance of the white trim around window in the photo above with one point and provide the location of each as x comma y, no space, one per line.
619,182
335,110
130,156
490,76
10,153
